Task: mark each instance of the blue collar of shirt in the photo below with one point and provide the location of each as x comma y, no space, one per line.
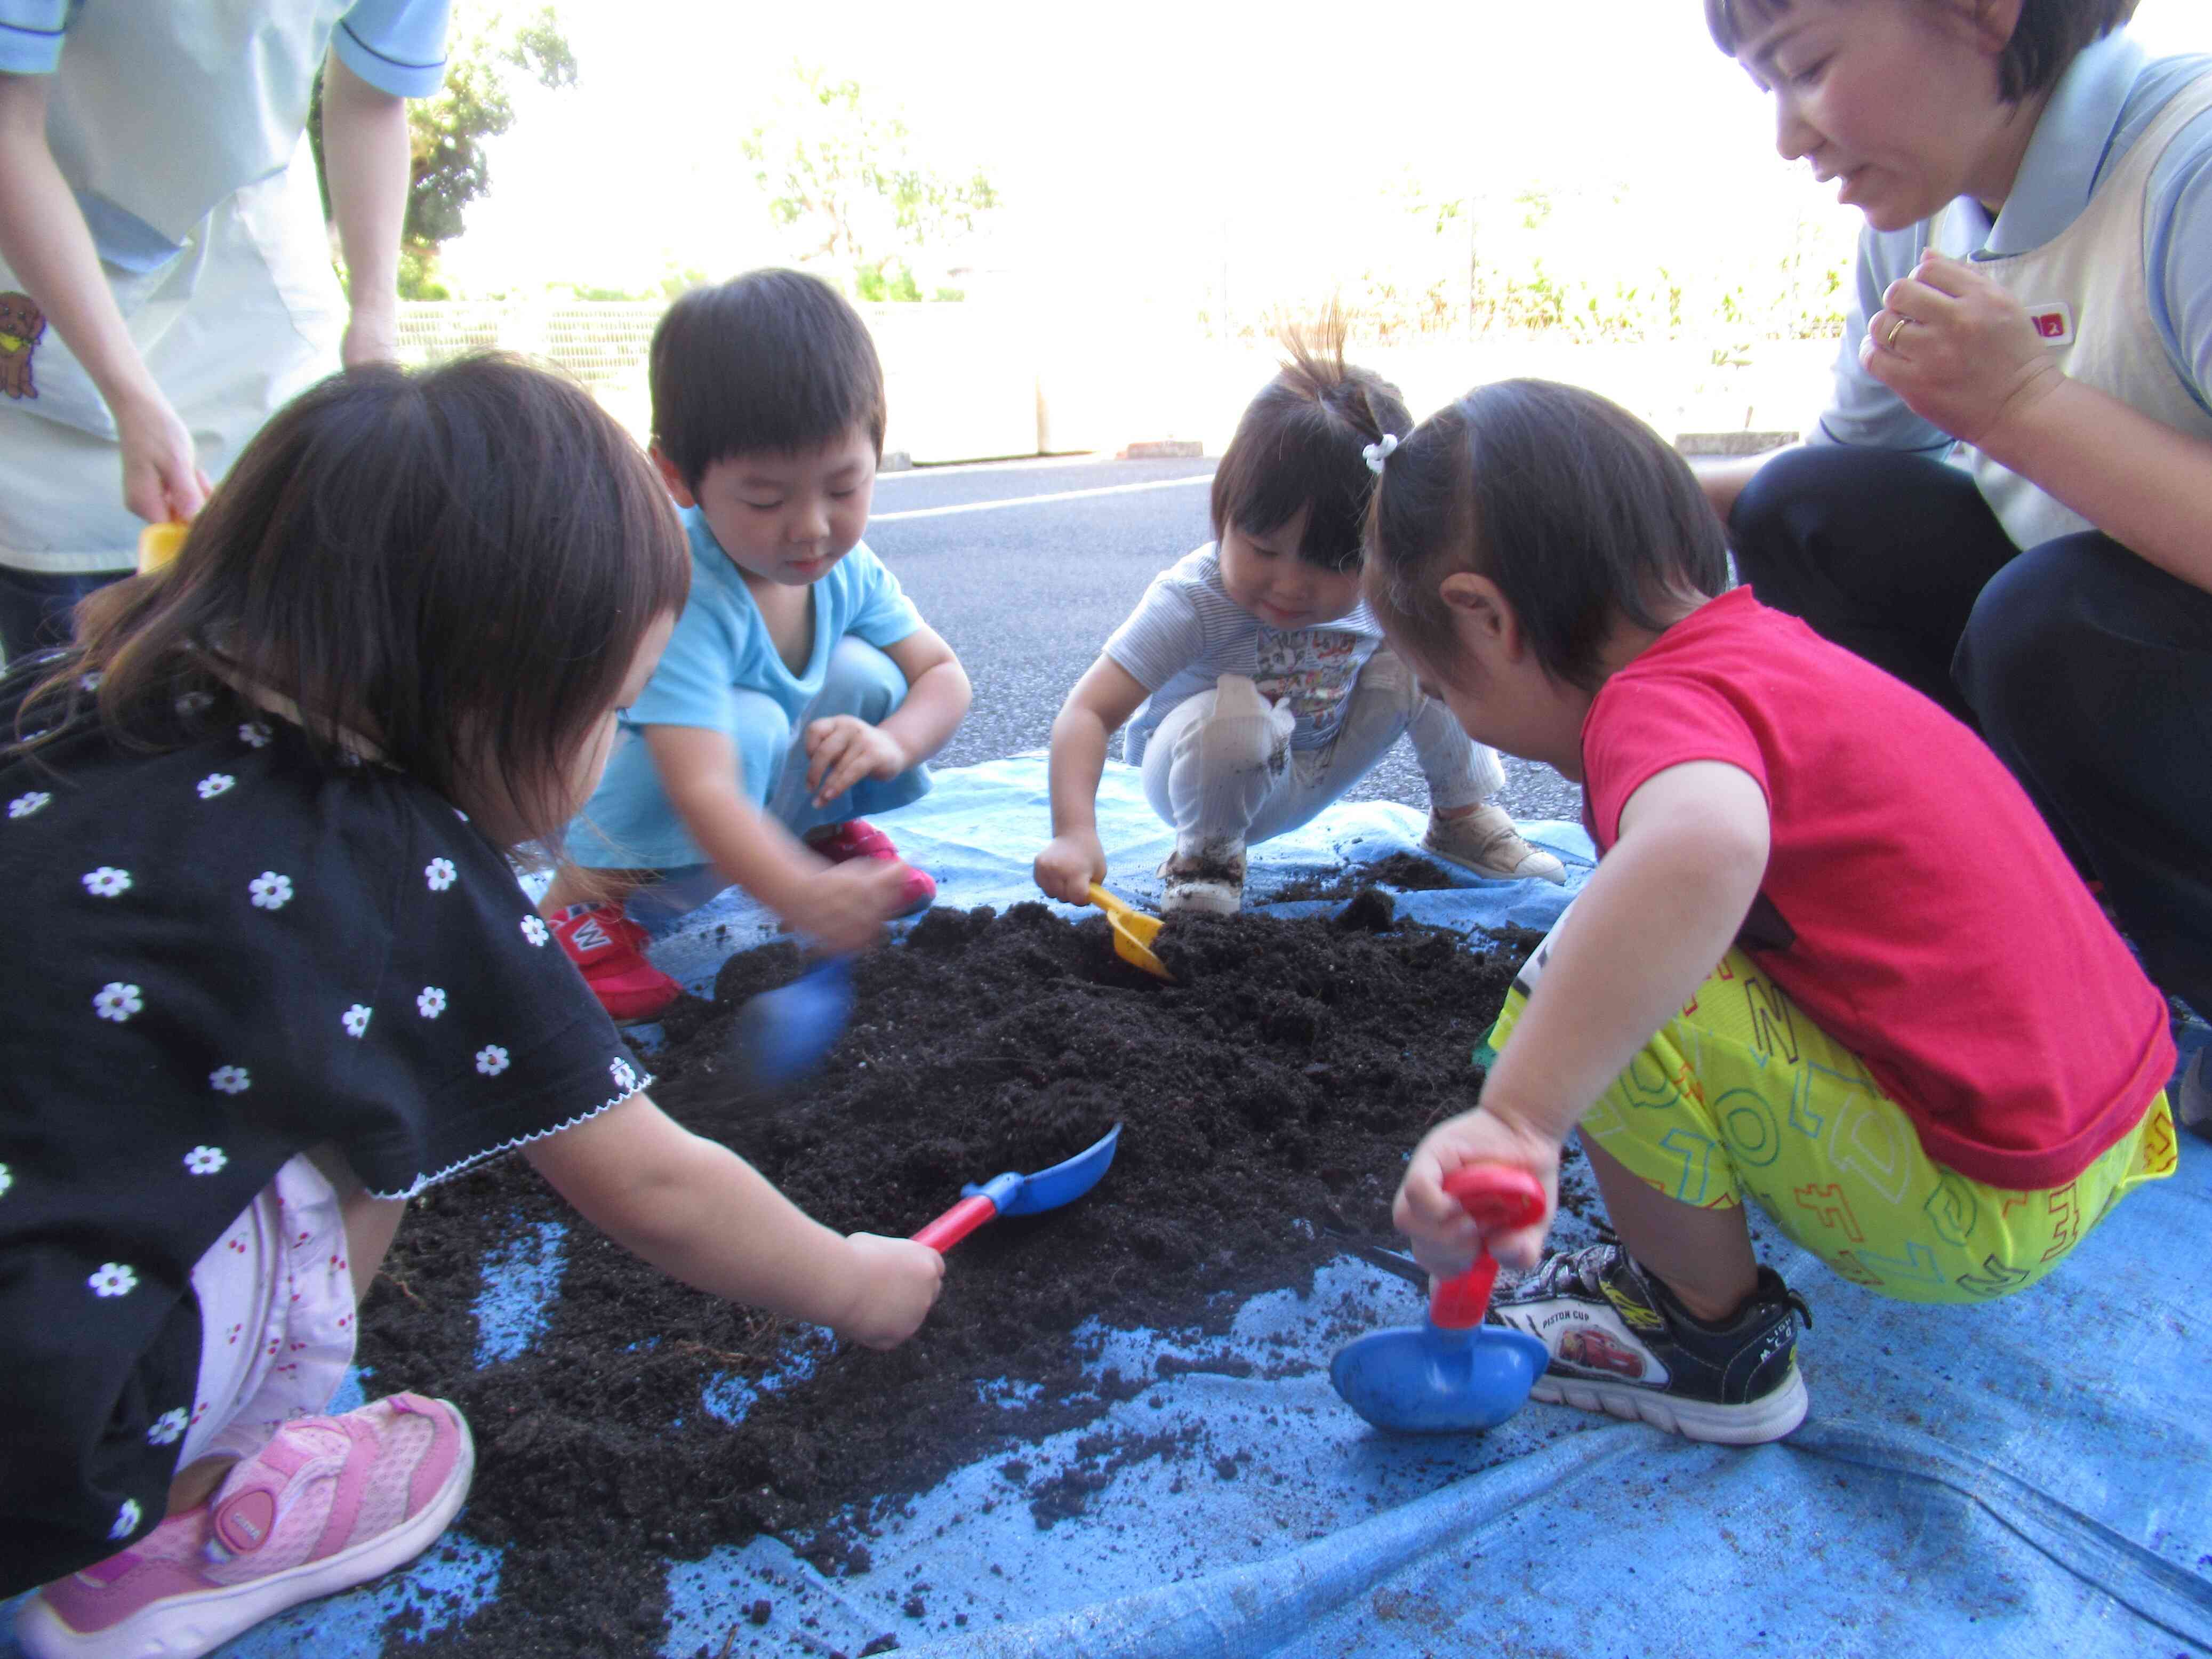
2066,152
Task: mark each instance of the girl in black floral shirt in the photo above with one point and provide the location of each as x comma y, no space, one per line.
270,974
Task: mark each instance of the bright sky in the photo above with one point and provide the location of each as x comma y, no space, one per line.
1133,145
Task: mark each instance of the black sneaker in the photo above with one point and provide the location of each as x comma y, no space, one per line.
1621,1343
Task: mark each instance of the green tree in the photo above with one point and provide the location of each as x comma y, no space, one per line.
489,49
847,183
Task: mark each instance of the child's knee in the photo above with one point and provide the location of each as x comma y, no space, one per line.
1237,729
861,681
762,733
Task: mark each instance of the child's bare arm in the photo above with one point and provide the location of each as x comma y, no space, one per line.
843,906
1661,909
1098,706
845,749
45,242
701,1213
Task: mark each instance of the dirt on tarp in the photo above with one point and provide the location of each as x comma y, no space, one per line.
1268,1099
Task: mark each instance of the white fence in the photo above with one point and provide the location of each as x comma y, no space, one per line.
974,379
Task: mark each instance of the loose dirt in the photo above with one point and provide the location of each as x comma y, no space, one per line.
1268,1099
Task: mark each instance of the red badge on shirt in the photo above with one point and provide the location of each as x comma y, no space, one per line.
2054,322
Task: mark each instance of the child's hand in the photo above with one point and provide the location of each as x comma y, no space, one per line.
846,905
898,1283
844,749
1069,864
161,478
1960,350
1444,1237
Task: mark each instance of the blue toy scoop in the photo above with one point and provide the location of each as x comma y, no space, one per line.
1455,1374
782,1036
1013,1194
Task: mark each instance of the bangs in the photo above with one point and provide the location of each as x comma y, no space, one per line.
1725,19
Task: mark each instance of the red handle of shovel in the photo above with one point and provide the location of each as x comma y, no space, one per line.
1499,1197
956,1223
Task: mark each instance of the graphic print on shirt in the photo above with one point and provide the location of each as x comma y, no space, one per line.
22,326
1314,668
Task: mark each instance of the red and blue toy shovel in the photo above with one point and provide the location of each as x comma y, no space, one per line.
1021,1194
1455,1374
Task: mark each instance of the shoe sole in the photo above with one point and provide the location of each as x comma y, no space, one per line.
204,1620
1752,1423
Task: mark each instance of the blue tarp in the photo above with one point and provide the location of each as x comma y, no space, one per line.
2031,1477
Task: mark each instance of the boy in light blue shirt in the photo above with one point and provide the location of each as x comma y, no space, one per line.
800,687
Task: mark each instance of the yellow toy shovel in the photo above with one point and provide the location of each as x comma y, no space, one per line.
1133,932
159,544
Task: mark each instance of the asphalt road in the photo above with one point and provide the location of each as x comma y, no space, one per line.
1026,587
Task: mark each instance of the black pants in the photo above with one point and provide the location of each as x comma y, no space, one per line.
2088,671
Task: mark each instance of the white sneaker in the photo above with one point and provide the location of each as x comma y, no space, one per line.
1485,842
1210,884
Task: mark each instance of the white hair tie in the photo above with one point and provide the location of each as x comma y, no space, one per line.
1376,453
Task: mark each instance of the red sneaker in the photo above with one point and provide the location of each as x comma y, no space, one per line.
856,838
608,949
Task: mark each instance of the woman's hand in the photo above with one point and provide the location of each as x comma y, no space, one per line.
161,477
1444,1236
1960,350
1069,864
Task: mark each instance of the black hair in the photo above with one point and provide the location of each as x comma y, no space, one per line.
770,361
1579,512
2045,40
1300,444
457,566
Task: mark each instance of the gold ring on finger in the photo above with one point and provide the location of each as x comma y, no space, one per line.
1896,328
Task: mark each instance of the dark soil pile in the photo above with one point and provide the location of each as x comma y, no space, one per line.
1268,1097
1409,873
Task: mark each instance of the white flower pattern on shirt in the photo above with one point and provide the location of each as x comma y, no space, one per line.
271,890
168,1428
126,1520
254,734
230,1080
491,1060
116,1001
534,929
205,1160
355,1020
7,1180
23,806
625,1074
430,1003
214,784
440,873
107,882
88,682
114,1279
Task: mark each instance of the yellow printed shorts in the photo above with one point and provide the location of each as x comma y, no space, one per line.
1742,1094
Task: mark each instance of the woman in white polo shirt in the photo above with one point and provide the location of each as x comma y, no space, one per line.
165,275
2007,502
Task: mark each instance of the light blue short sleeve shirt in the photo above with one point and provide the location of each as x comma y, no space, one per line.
2102,102
162,109
722,644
